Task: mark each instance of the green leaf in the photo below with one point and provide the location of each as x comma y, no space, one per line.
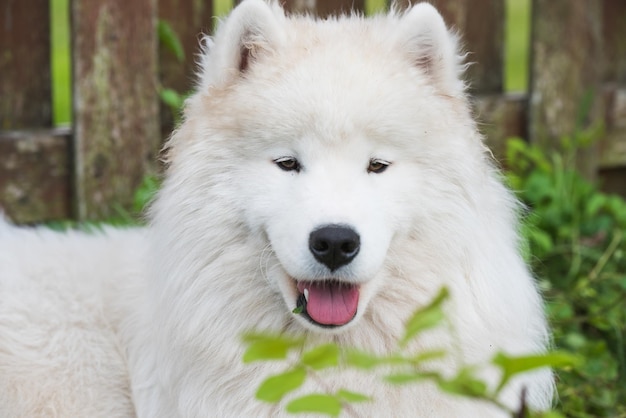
317,403
170,40
512,366
548,414
594,204
321,357
171,98
350,396
575,340
275,387
268,347
426,317
146,191
362,360
428,355
404,378
464,384
541,239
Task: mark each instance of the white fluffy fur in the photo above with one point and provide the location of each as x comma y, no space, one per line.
149,321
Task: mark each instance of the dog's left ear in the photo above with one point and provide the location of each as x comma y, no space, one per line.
253,28
432,48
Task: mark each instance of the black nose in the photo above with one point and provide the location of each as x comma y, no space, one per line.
334,245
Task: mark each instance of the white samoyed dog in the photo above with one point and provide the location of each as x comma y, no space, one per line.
328,164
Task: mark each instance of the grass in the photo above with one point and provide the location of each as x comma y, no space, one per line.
516,52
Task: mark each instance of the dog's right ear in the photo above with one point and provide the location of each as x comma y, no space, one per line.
253,28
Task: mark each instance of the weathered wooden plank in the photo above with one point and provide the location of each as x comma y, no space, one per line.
323,8
481,25
115,99
484,33
35,175
566,96
25,95
613,180
614,38
504,116
501,117
613,145
190,20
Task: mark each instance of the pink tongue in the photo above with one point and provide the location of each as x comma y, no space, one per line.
331,303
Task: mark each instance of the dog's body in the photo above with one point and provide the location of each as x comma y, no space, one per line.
336,159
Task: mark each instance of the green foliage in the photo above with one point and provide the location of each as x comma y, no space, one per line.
274,388
321,357
169,39
576,235
425,318
142,197
145,193
510,367
317,402
171,42
123,217
174,100
263,347
399,368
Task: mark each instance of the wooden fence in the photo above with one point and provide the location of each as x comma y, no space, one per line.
578,51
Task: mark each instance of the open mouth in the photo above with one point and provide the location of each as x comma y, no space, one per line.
327,303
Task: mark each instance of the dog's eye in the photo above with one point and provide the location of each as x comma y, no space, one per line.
377,166
288,164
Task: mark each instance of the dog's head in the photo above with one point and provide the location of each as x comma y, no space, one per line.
330,129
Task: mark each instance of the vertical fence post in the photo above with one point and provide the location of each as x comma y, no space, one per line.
115,101
484,31
613,147
614,37
566,71
25,95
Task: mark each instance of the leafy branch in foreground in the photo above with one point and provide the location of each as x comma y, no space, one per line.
399,368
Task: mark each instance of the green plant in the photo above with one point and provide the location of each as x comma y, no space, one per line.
123,217
170,40
399,368
576,237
